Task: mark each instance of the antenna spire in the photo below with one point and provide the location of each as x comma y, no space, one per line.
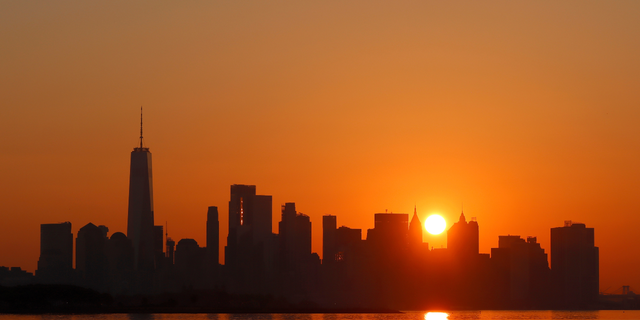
140,127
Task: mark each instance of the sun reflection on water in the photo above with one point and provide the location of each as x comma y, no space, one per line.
436,316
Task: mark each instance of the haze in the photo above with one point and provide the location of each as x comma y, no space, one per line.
526,113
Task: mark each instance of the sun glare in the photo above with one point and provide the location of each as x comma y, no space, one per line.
435,224
436,315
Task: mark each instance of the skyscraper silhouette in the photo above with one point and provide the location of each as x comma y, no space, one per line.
574,264
91,256
463,239
250,242
213,239
329,241
140,219
415,230
56,253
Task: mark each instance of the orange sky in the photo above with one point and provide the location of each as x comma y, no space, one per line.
525,112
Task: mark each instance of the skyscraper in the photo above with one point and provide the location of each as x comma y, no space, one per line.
329,244
91,256
463,239
56,253
390,232
250,242
213,241
140,219
415,230
574,264
295,237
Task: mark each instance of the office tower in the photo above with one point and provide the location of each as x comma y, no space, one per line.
299,268
171,245
158,246
463,239
262,218
295,236
249,218
250,250
329,250
240,208
91,256
213,233
522,269
390,232
574,264
119,251
415,230
140,218
347,240
190,262
56,253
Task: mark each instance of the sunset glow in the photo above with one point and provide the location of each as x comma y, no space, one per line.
526,111
436,316
435,224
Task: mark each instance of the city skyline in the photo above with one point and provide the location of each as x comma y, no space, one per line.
390,267
524,113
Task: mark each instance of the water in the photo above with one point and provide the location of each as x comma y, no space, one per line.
452,315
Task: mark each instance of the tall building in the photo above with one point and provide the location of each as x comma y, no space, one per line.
171,247
213,233
249,254
390,232
190,262
140,218
522,268
298,266
329,238
158,246
347,240
91,256
119,251
463,239
56,253
295,237
575,264
415,230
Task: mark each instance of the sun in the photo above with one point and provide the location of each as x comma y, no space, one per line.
435,224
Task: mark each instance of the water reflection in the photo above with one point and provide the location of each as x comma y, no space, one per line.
141,316
436,316
574,315
409,315
467,315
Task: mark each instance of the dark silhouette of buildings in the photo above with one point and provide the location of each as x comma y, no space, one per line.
56,253
574,264
250,251
91,257
119,252
190,263
158,246
463,239
213,237
298,266
171,246
522,271
295,237
329,239
390,233
15,276
140,218
212,259
415,230
391,268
